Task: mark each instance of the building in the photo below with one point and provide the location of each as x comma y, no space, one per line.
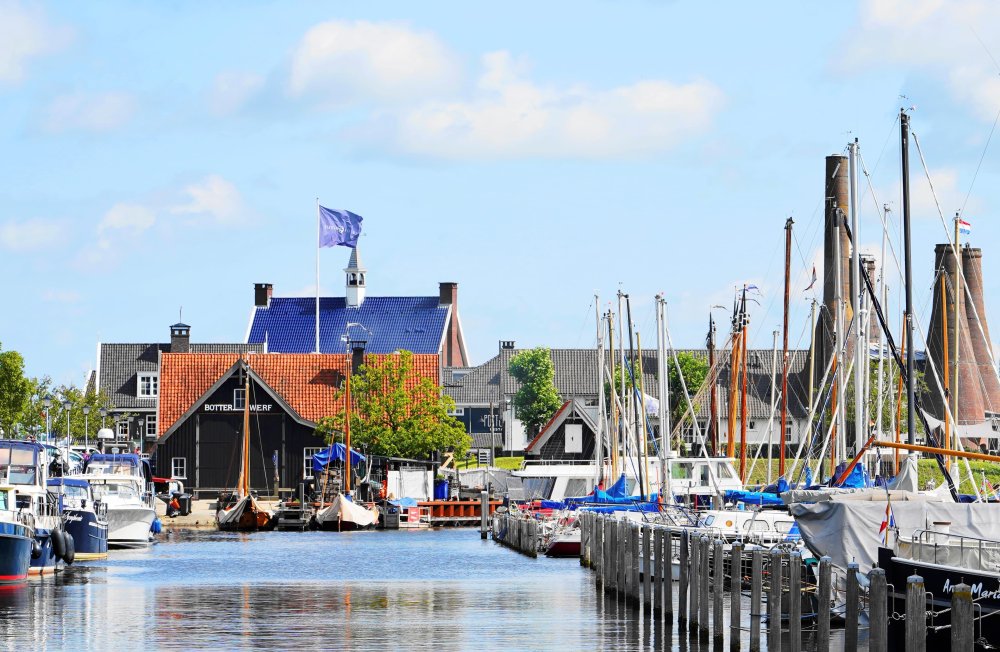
422,325
129,375
201,410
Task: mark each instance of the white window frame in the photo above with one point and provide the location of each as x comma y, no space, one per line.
122,429
153,378
239,398
151,429
173,468
307,457
456,412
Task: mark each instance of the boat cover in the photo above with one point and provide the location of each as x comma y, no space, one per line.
846,528
404,502
323,457
753,497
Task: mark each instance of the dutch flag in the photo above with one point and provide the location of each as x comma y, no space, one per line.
964,227
889,522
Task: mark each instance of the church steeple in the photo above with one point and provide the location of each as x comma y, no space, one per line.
354,276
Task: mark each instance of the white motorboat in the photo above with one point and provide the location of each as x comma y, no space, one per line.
124,484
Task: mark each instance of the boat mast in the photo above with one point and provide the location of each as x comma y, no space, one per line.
664,392
244,483
713,424
860,333
774,401
883,293
623,415
347,430
601,419
958,332
784,350
839,432
744,328
613,440
734,375
636,385
911,416
945,344
642,421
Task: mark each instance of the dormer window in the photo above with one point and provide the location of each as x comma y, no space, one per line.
148,383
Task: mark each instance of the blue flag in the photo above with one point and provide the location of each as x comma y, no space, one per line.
338,227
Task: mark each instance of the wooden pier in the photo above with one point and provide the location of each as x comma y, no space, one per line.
636,562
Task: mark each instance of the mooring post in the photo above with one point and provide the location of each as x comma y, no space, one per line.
484,516
961,617
756,586
823,592
735,593
667,572
853,608
629,560
774,604
795,600
533,538
916,615
695,579
682,590
623,558
657,570
878,619
647,569
636,564
718,584
704,583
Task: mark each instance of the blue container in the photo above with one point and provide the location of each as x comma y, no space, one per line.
441,490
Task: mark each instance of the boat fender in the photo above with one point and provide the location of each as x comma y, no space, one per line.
58,537
156,526
36,549
70,554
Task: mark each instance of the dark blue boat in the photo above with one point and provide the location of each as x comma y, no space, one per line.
16,535
84,518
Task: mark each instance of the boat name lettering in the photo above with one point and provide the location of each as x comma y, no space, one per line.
226,407
977,590
73,518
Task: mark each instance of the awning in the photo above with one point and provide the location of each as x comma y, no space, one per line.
322,458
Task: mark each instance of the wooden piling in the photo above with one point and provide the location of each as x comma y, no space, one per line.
756,585
695,579
704,583
961,617
735,593
667,571
823,603
774,604
853,609
916,615
636,594
484,516
647,569
658,571
682,604
795,601
878,619
718,584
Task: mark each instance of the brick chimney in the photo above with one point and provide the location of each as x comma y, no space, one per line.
262,294
448,294
453,351
357,356
180,338
972,268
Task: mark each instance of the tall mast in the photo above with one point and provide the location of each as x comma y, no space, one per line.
944,351
347,430
959,298
601,417
860,333
744,326
774,401
664,411
244,488
812,351
621,370
713,424
636,386
784,350
641,420
734,376
613,443
839,433
911,412
883,295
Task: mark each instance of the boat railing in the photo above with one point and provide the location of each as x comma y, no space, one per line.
948,548
529,463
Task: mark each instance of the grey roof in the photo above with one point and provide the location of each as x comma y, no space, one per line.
576,376
119,364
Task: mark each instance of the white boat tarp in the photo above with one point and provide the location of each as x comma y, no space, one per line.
906,479
848,529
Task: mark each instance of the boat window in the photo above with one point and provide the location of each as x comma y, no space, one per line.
630,486
703,474
680,471
725,471
758,526
75,492
114,490
118,467
21,474
709,520
3,501
538,488
577,487
784,526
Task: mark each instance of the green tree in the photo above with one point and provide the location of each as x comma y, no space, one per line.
538,399
395,412
15,390
694,370
75,417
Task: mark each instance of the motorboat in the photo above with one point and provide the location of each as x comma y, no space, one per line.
124,484
84,518
17,537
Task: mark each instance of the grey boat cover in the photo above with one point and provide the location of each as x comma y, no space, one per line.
846,528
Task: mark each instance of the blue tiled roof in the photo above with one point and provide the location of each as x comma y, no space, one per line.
396,323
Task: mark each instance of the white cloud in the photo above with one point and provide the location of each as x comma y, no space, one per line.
97,112
29,235
941,38
132,218
949,189
510,116
341,62
232,90
215,197
25,33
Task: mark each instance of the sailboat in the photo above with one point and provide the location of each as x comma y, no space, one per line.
243,513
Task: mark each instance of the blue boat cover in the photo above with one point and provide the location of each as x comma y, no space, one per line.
322,458
68,482
619,489
753,497
858,479
124,458
404,502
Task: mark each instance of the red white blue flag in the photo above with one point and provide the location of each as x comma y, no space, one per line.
964,227
888,523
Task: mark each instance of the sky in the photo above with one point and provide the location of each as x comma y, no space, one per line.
158,159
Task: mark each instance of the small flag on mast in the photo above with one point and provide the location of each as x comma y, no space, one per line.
338,227
964,227
812,282
888,523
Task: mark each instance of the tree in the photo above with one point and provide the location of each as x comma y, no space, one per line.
538,399
694,370
396,413
15,390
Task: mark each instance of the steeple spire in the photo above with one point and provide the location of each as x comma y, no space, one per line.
354,278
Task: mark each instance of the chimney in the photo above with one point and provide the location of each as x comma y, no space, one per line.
946,319
972,268
448,294
180,338
357,356
262,294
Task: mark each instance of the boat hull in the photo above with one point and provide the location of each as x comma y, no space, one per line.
129,527
15,553
344,516
245,516
90,534
563,548
47,562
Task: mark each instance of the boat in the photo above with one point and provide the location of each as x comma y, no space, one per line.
239,510
343,514
17,537
84,518
564,540
123,483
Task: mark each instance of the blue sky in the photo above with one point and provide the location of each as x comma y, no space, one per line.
159,155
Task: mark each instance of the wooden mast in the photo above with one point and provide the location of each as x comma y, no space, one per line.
613,442
744,323
347,430
945,342
244,483
713,424
784,350
734,356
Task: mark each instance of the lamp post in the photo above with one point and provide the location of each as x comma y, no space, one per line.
86,426
47,403
104,413
139,432
67,408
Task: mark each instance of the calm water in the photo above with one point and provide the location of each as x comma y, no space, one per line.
441,590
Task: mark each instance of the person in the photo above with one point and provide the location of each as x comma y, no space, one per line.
174,506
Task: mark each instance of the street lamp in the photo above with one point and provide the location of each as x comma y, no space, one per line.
104,413
86,426
139,431
47,403
68,408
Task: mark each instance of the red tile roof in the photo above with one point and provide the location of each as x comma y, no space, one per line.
307,382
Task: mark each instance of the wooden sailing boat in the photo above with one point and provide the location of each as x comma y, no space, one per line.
244,514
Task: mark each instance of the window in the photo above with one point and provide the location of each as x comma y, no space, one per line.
307,460
148,384
178,468
483,456
457,412
151,426
239,399
123,428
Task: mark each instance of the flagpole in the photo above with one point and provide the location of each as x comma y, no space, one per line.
317,273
